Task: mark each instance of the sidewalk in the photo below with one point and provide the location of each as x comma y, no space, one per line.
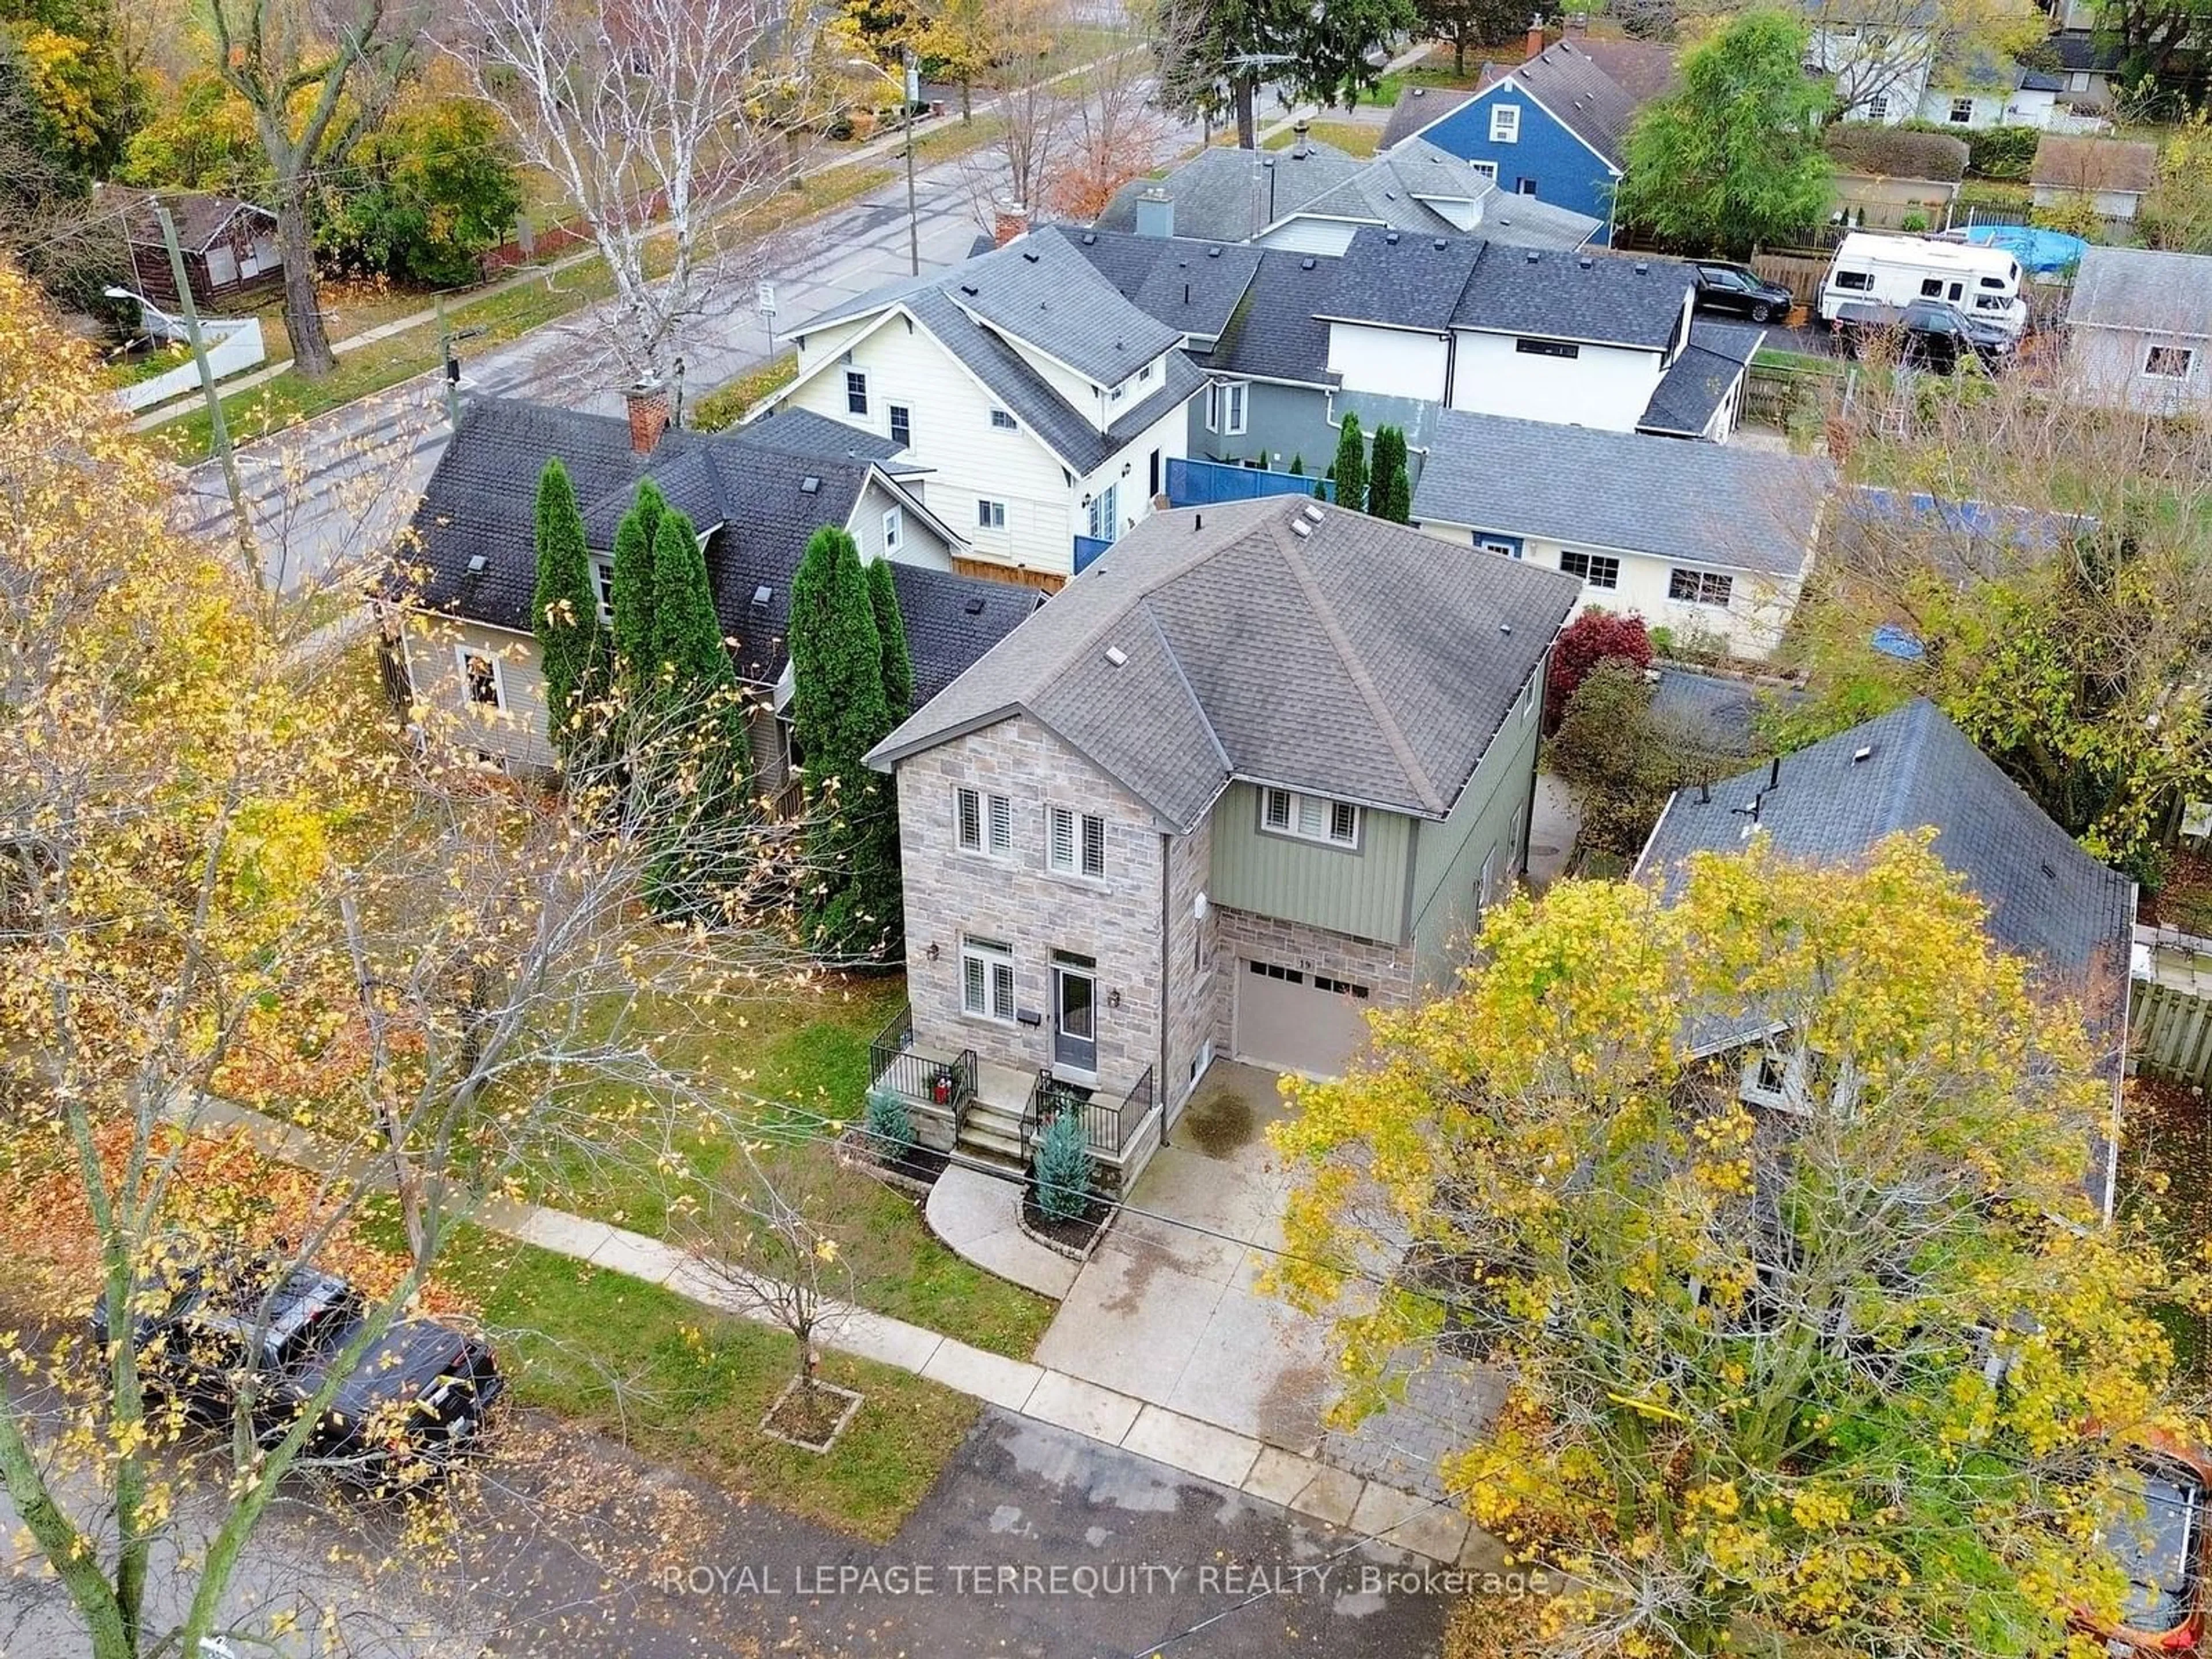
1408,1521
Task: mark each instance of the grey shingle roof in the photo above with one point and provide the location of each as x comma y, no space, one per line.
2048,901
1525,221
1582,296
1418,108
2082,50
1190,284
1360,661
1046,293
1234,193
1406,282
2138,288
1695,385
1710,504
802,432
2093,164
480,501
1276,332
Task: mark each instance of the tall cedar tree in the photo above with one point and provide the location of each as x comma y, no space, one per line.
633,578
564,610
1351,470
1398,505
1733,156
699,711
890,634
1386,477
1213,56
853,909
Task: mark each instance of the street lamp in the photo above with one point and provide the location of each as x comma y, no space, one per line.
910,88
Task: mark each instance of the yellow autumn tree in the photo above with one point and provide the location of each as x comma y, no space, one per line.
230,892
1853,1375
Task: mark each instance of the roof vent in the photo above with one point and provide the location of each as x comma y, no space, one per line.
810,485
1213,252
1300,528
1505,627
2048,869
1089,238
1313,513
1391,237
476,564
764,593
1585,262
1532,256
1641,269
1306,264
969,289
1115,656
1031,255
974,607
1440,245
1864,752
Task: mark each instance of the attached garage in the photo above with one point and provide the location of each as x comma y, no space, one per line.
1296,1021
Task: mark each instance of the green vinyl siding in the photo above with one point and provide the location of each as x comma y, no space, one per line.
1448,856
1360,892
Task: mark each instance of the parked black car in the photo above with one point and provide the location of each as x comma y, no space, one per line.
203,1326
1740,292
1931,333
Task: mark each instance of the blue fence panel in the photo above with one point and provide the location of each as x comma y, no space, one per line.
1087,548
1202,483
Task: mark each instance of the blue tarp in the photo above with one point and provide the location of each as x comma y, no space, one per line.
2042,251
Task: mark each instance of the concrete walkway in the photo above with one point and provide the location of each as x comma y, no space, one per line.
1420,1525
974,1214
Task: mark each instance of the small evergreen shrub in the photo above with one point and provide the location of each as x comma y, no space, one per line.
1062,1166
889,1124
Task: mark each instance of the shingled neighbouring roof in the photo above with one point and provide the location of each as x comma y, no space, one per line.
1190,285
1709,504
481,503
2095,164
1912,768
1699,379
199,217
1359,660
1570,81
2136,288
1237,193
1578,296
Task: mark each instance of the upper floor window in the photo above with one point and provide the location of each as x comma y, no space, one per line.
894,529
483,684
1227,403
1528,699
902,425
984,823
1504,124
1699,586
856,392
1596,569
1075,843
1310,818
602,584
1548,348
1003,421
990,515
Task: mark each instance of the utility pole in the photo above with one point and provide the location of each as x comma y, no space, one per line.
911,85
219,431
447,339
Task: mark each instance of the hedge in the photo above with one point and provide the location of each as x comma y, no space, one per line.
1880,152
2007,152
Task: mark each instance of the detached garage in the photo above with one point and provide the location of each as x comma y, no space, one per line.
1292,1020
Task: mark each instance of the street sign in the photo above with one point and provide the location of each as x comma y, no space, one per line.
764,299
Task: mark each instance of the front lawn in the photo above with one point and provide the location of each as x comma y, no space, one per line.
688,1387
794,1060
1353,137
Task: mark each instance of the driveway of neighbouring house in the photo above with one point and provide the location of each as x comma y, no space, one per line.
1169,1308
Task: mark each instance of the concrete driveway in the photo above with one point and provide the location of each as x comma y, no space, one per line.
1169,1308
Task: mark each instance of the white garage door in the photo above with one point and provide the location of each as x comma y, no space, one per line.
1299,1022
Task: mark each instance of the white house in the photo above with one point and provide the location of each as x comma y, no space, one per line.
2139,330
1040,406
1881,54
1712,542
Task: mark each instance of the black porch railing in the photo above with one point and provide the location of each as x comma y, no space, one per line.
1107,1124
944,1081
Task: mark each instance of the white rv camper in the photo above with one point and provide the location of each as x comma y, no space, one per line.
1895,270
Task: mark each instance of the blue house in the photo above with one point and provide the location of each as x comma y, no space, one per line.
1552,128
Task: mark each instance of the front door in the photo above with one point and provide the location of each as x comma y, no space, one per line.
1075,1014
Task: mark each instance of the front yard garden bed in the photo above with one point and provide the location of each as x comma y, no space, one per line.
1074,1237
911,1169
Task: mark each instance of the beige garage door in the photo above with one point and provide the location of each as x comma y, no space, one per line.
1299,1022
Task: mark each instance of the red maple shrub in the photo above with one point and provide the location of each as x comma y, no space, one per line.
1583,643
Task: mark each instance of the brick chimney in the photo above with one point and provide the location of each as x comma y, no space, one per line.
1012,220
1536,34
648,413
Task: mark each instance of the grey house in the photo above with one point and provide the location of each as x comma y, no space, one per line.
2071,918
1254,773
2139,330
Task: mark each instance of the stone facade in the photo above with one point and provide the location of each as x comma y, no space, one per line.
1014,900
1387,970
1194,973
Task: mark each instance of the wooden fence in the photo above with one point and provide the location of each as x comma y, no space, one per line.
1802,273
2170,1011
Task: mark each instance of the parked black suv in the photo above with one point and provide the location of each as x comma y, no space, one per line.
416,1397
1740,292
1931,333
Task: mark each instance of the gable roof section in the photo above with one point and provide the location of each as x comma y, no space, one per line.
1047,296
1600,297
1403,660
1236,193
1276,332
1699,379
1576,91
802,432
2095,164
2048,901
2133,287
1707,504
199,217
1189,285
1388,277
1419,108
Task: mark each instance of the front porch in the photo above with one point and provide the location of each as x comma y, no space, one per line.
994,1113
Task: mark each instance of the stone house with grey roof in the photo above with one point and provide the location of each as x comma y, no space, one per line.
2139,330
1252,775
2070,918
1705,540
461,591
